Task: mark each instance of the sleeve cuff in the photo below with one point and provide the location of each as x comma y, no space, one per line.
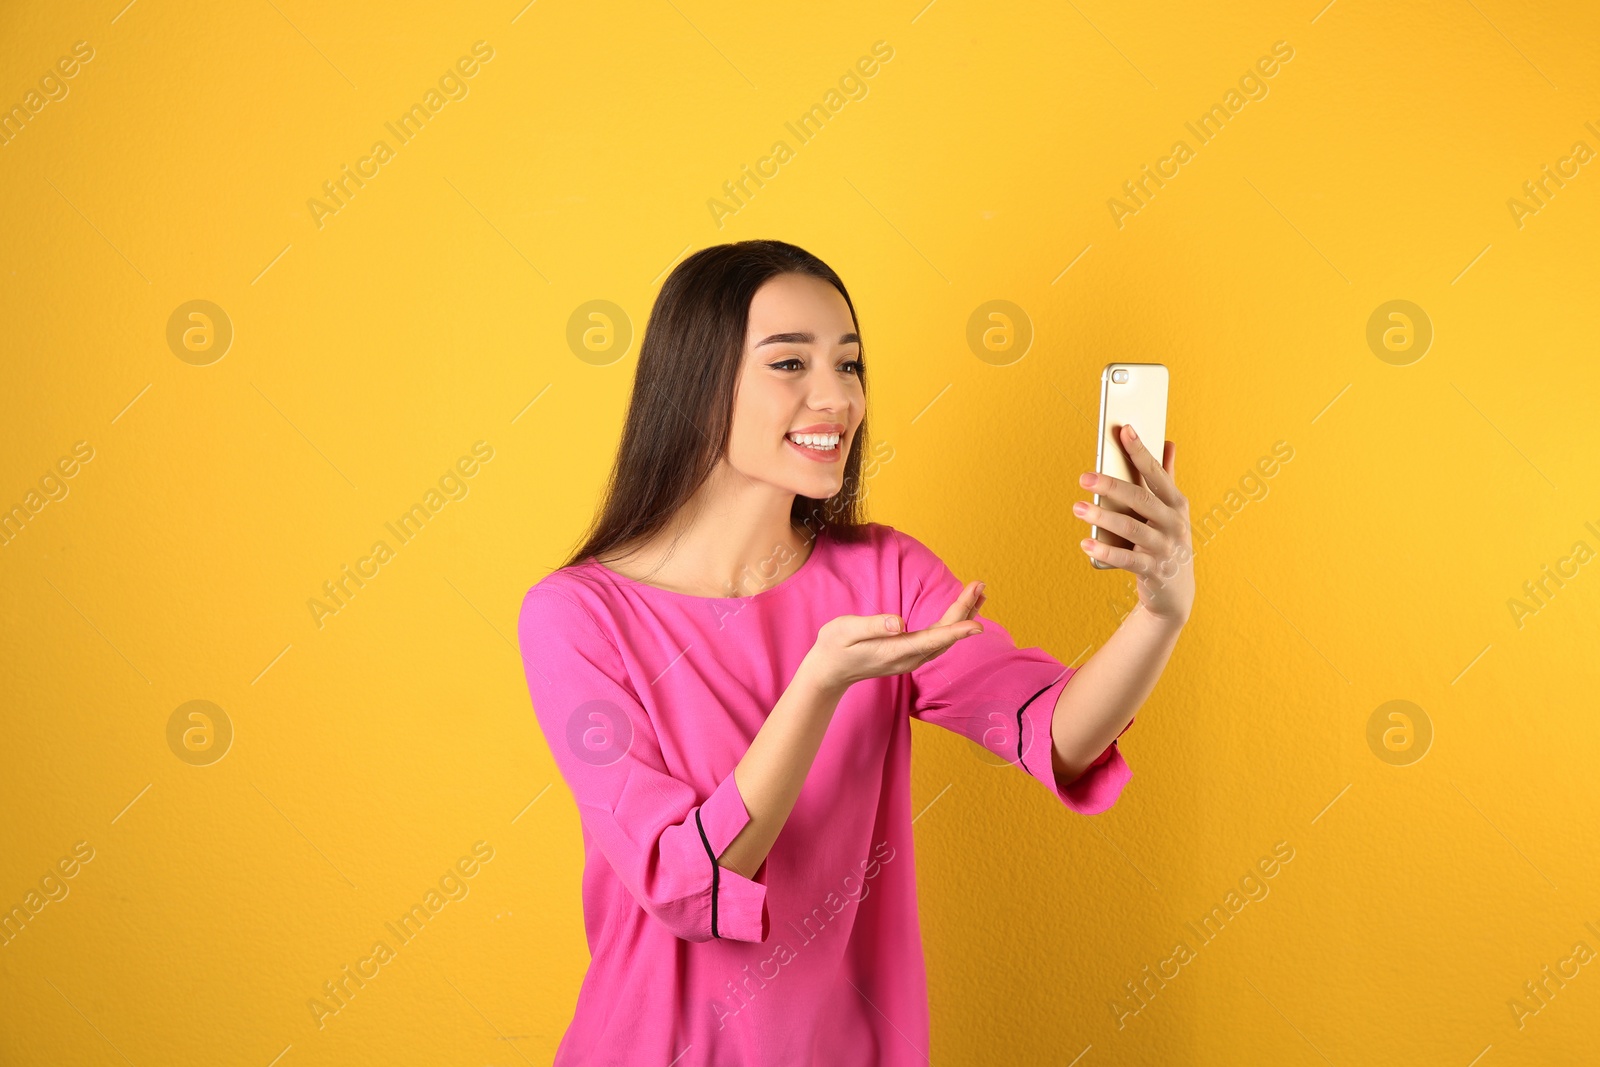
1098,787
741,907
739,904
723,814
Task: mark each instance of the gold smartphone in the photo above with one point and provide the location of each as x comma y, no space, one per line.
1129,393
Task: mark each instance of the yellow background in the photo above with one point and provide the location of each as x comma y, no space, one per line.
431,312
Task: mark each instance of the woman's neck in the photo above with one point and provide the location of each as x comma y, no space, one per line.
716,569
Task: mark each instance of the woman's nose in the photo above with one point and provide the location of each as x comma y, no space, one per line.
828,393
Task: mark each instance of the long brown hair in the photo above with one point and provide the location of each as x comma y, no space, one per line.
681,411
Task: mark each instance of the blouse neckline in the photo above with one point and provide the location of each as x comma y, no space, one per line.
618,578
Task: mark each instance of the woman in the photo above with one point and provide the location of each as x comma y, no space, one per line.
727,668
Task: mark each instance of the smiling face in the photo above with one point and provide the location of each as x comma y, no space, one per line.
800,377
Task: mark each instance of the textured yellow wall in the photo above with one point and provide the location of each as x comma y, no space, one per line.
188,485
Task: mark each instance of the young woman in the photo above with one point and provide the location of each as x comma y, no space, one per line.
727,668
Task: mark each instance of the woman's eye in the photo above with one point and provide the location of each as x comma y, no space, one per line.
853,366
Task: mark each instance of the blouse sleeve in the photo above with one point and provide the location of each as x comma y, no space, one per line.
996,694
660,836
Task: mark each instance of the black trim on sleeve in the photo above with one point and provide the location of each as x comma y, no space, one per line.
715,869
1020,710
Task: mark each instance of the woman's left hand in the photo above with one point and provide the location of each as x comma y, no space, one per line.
1162,556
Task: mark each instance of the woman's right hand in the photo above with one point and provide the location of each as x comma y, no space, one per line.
853,648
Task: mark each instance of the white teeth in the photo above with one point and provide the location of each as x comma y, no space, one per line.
822,442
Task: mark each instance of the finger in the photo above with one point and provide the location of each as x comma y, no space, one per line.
1120,558
1138,498
964,605
903,652
1168,455
1155,476
922,645
871,627
888,631
1126,525
942,637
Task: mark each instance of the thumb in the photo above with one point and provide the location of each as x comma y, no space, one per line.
857,628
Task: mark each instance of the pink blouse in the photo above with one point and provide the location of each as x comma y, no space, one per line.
648,698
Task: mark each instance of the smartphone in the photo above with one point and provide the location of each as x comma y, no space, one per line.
1129,393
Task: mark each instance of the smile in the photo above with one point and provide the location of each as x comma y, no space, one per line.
821,447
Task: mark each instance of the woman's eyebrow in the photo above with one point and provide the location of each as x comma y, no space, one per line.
805,338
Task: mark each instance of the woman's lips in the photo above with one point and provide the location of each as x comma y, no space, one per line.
830,456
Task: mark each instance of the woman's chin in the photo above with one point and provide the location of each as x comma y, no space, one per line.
818,488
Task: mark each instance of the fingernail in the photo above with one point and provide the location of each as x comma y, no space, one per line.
1080,509
1086,544
892,624
1132,432
981,587
1086,480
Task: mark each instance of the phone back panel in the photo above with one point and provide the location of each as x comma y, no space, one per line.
1142,401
